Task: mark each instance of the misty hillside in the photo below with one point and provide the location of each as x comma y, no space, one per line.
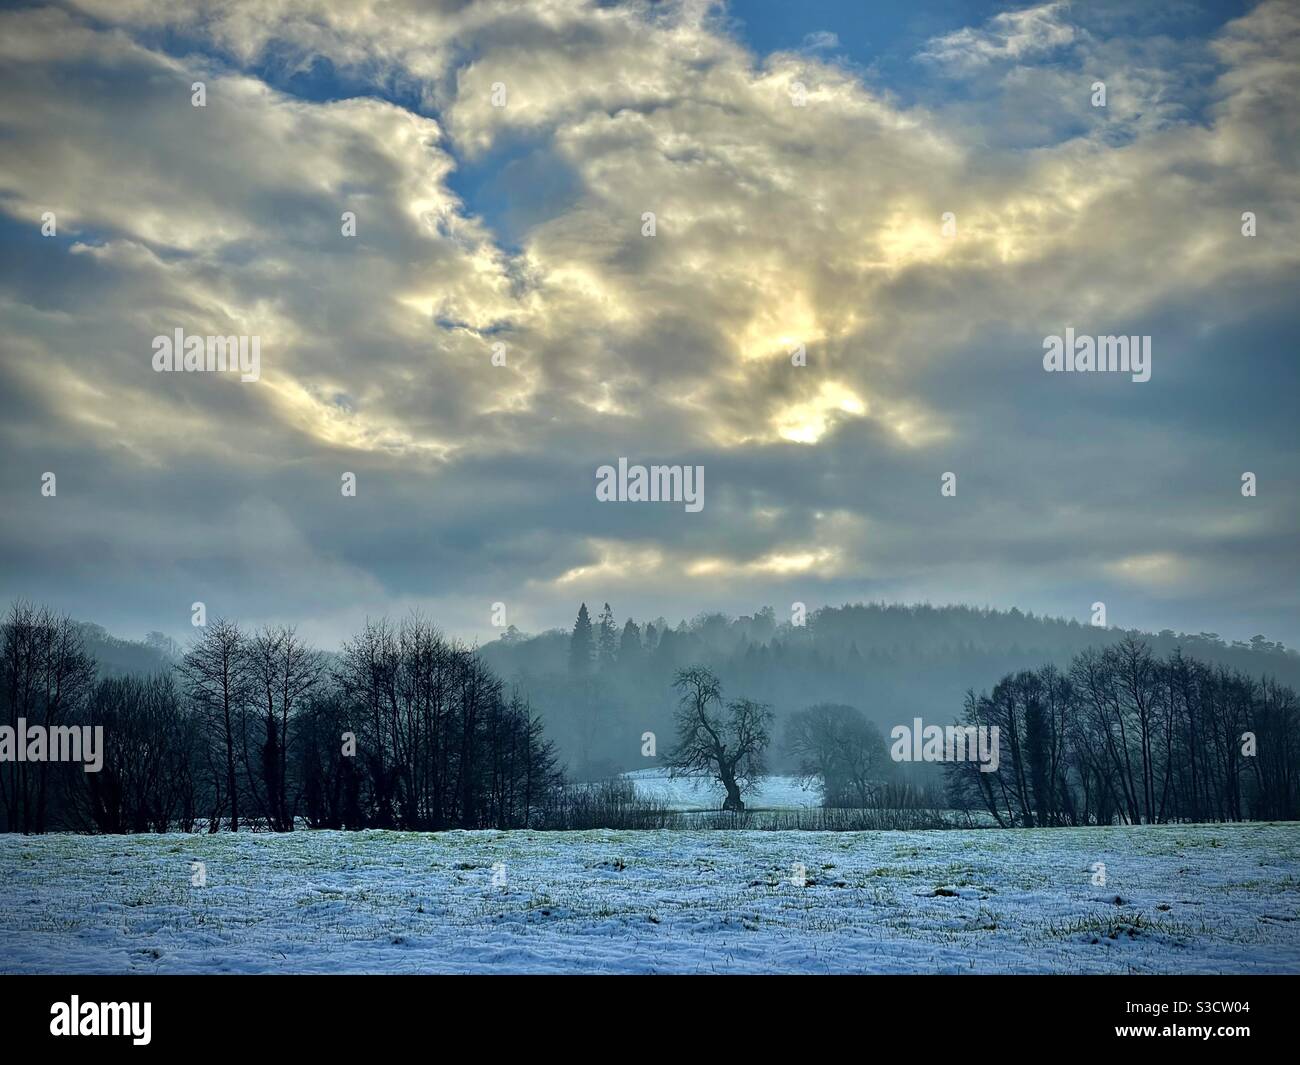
114,657
892,662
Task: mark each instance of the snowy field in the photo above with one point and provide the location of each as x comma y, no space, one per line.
1177,899
705,793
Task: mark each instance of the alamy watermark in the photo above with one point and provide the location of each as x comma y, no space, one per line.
102,1018
54,743
1084,354
948,743
211,353
653,484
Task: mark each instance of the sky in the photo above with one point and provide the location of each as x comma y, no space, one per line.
500,160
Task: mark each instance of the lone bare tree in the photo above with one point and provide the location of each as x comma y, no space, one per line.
727,743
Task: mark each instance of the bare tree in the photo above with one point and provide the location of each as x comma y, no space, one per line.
442,743
1126,736
282,671
331,781
147,781
367,674
45,677
217,680
838,746
728,744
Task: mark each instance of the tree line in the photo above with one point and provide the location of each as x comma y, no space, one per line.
1122,736
607,678
1125,736
403,728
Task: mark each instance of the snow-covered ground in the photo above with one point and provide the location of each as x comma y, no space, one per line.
1207,898
705,793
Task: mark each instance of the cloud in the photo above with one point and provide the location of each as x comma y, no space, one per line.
775,225
1012,36
820,40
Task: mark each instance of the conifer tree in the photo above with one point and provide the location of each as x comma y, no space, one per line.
581,644
607,638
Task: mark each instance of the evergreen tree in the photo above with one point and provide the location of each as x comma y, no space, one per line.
629,646
607,638
581,644
666,652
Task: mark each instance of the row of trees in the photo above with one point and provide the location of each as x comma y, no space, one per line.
1123,735
406,729
444,744
403,729
603,645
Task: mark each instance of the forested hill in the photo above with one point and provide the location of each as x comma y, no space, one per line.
600,691
114,657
